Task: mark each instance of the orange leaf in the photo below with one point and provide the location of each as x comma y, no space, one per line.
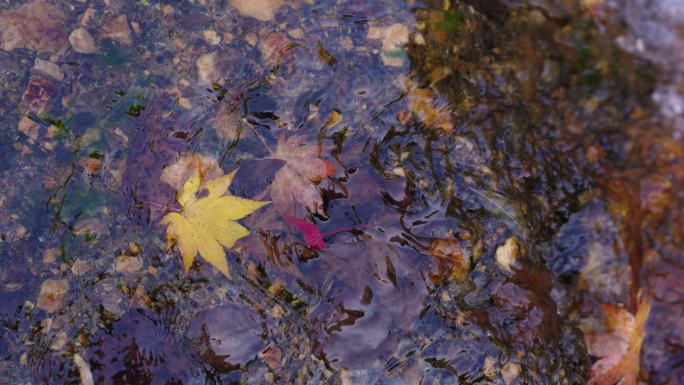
619,349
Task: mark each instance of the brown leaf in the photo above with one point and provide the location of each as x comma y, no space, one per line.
619,348
297,179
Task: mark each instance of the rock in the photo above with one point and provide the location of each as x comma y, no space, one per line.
29,128
275,47
393,38
37,25
227,335
80,267
211,37
50,255
128,265
84,372
38,93
510,372
52,294
82,41
507,253
118,30
263,10
207,71
48,68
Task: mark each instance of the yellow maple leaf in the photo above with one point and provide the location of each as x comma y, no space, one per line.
207,224
618,350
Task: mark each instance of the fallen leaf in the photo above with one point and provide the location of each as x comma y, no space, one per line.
427,109
207,224
619,349
297,179
312,234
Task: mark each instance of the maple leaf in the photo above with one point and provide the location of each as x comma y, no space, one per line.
207,224
297,179
619,349
312,234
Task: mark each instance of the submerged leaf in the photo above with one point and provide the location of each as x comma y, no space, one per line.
619,349
312,234
205,225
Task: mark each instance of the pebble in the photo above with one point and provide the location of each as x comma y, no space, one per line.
80,267
82,41
48,68
507,253
118,30
128,265
263,10
29,127
52,294
211,37
50,255
206,68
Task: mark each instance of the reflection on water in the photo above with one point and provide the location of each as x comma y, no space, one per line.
458,190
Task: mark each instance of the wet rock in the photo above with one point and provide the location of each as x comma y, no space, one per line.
37,25
507,254
126,264
393,37
48,68
227,336
84,372
263,10
82,41
50,255
29,127
52,294
38,94
510,372
207,70
118,30
211,37
80,267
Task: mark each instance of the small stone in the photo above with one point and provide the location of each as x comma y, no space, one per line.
84,372
80,267
48,68
126,264
184,102
60,341
393,38
50,255
263,10
206,68
510,372
118,30
489,367
29,128
507,253
296,33
211,37
82,41
133,248
52,294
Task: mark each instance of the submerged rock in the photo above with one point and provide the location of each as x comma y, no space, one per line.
82,41
52,294
37,25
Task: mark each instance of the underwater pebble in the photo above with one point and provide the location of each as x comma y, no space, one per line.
206,68
48,68
118,30
84,372
80,267
29,127
82,41
510,372
211,37
263,10
128,265
507,253
52,294
50,255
